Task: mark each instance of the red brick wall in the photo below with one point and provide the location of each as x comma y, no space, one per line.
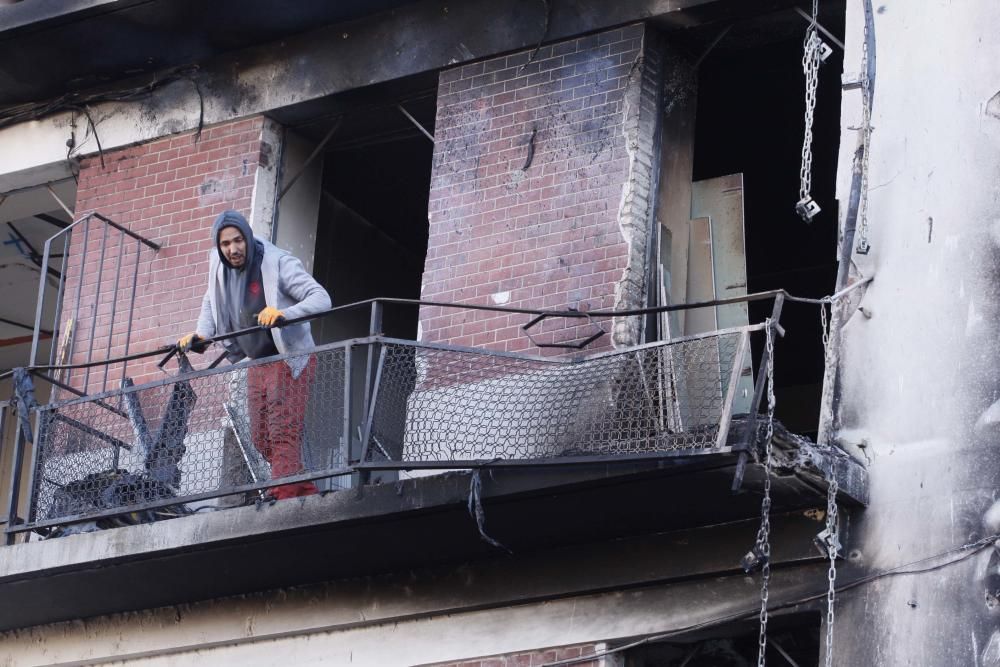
169,191
531,658
551,233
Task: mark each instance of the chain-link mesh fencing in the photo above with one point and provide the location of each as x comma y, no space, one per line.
435,403
220,432
196,437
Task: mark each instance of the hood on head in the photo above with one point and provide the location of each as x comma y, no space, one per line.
233,218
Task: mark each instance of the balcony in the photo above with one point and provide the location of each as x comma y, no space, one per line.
541,451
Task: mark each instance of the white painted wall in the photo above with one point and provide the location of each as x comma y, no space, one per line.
35,152
919,371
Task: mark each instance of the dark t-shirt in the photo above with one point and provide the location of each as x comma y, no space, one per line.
261,343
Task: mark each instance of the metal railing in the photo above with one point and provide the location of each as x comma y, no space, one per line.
439,406
196,436
164,448
100,277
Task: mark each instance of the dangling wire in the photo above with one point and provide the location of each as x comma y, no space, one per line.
764,532
476,511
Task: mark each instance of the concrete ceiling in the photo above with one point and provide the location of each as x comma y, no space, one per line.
106,40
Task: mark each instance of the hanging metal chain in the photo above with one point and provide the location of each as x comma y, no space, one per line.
764,532
824,325
832,548
812,50
830,537
810,67
866,136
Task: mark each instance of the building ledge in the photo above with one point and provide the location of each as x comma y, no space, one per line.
371,530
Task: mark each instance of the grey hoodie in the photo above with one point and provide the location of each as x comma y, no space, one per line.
241,305
287,287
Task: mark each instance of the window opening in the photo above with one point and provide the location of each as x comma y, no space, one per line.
735,124
28,217
370,196
368,193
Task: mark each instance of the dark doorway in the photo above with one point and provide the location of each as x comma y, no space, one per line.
371,217
371,235
750,120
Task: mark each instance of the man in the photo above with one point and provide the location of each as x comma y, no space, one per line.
251,282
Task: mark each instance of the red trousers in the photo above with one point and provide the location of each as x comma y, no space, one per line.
277,403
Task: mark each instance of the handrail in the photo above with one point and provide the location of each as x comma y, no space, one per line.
170,350
660,442
741,448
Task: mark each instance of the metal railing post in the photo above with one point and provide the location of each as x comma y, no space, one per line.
57,326
30,510
374,329
17,462
40,302
97,305
345,438
750,433
4,409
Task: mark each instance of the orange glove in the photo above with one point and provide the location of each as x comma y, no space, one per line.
269,316
188,342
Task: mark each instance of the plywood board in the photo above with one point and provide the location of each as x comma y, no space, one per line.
721,200
700,277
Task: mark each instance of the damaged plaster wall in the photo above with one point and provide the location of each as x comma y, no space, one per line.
264,200
641,103
919,363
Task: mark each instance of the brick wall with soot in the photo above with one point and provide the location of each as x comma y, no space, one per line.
168,190
541,190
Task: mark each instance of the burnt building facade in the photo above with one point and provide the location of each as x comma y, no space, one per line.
661,333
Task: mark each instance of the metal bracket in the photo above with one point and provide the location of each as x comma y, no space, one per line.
807,208
824,51
754,560
183,363
824,540
598,332
819,26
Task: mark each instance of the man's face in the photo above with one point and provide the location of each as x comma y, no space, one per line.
233,246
